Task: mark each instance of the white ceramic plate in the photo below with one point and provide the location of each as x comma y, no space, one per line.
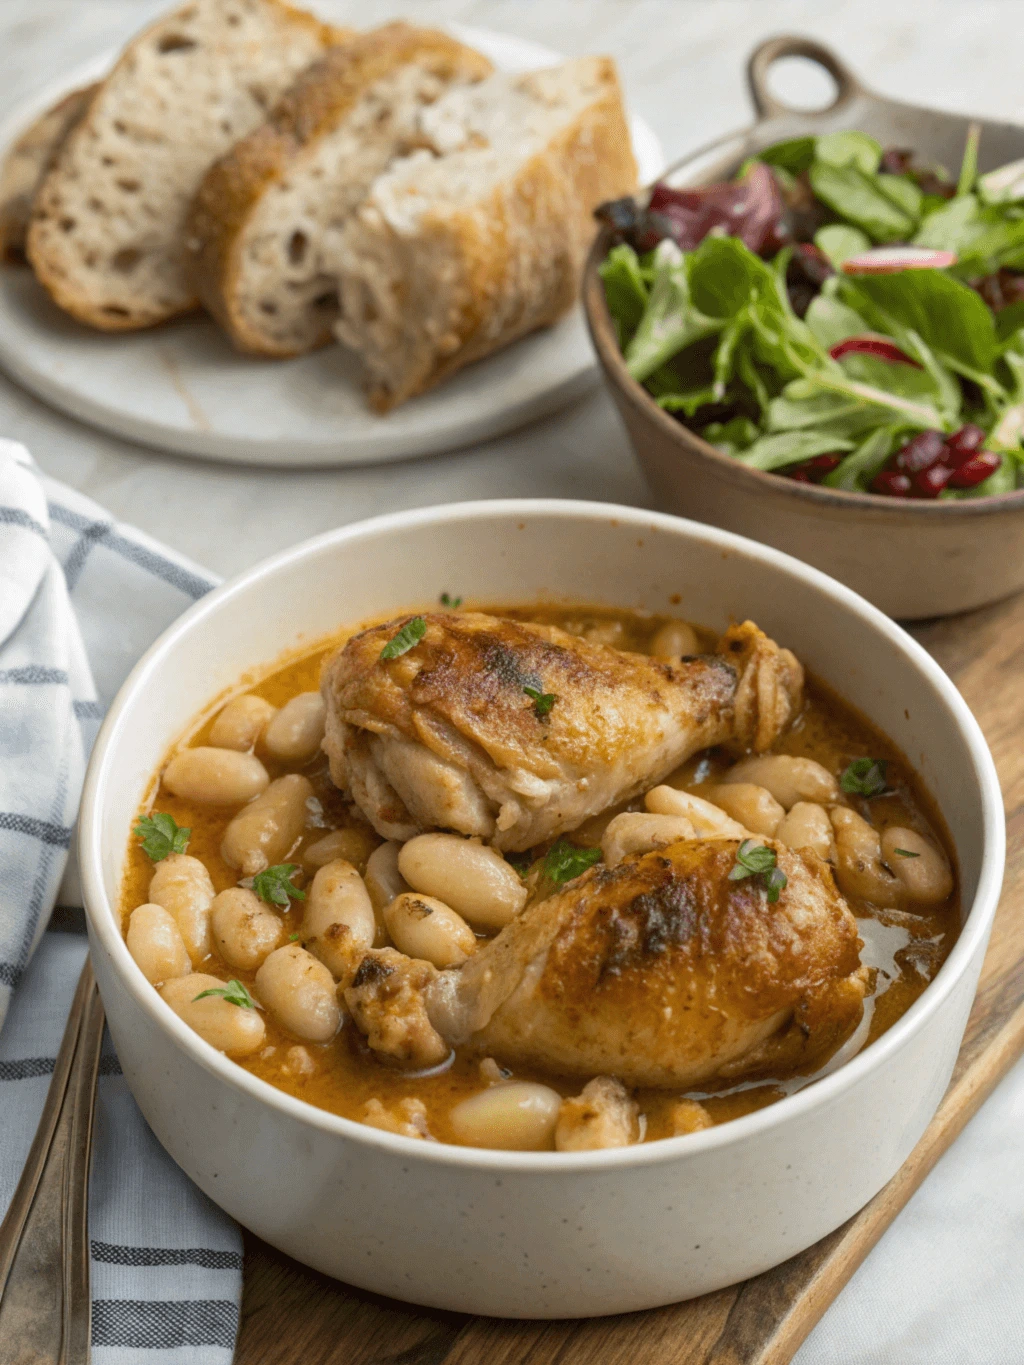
182,387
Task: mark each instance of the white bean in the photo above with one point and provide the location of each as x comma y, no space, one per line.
215,777
807,826
754,807
641,832
860,871
675,640
925,875
424,927
245,930
295,733
265,831
351,844
240,723
339,926
182,885
473,879
513,1116
383,879
233,1029
299,991
605,633
689,1116
709,822
155,943
788,779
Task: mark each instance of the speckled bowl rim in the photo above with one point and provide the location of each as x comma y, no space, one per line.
103,918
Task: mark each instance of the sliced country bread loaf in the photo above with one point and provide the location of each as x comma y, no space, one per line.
260,220
462,249
27,163
107,230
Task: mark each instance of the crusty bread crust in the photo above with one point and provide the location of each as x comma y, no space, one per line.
27,163
46,241
506,265
319,101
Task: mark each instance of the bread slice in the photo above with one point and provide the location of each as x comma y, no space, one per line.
107,230
263,212
27,163
462,249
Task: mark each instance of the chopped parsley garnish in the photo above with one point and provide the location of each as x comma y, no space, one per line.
234,993
542,701
450,602
293,938
161,835
906,853
564,861
755,860
865,777
275,884
411,634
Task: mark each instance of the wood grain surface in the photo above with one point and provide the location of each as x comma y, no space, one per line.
291,1316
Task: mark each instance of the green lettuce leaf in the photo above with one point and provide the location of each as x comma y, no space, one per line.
849,148
860,467
671,321
625,290
839,242
862,199
790,447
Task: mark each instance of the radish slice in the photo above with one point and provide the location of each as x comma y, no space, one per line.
887,260
870,344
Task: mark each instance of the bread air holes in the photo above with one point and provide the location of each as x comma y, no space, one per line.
175,42
298,244
125,260
67,224
129,185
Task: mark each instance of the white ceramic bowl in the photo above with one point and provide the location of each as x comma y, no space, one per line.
539,1234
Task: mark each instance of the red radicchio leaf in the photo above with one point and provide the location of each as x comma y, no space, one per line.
750,209
867,344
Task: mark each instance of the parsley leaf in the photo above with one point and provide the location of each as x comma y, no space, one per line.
411,634
275,884
450,602
865,777
293,938
906,853
234,993
755,860
161,834
564,861
542,701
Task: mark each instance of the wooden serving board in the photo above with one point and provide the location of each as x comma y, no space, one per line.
291,1316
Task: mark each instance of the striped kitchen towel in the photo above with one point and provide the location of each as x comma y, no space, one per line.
81,597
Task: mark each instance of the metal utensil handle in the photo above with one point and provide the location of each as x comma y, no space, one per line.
45,1303
793,45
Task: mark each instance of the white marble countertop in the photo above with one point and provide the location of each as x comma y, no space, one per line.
946,1284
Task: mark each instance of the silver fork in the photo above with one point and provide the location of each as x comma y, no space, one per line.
45,1303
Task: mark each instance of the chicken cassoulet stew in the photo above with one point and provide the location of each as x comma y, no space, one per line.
539,879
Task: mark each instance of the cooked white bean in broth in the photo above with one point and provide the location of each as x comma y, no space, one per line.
156,944
294,734
513,1116
233,1029
265,831
424,927
215,777
240,723
245,931
299,992
753,807
182,885
472,878
788,779
338,925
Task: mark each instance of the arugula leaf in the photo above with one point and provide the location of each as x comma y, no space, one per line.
793,155
670,321
839,242
274,885
542,701
234,993
865,777
450,602
862,199
161,835
625,290
849,148
790,447
564,861
830,401
405,639
755,860
969,164
860,467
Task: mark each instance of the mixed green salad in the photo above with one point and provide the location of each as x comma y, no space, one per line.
836,313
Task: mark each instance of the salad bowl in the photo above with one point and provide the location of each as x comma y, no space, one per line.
914,558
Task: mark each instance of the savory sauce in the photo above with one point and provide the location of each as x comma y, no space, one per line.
902,949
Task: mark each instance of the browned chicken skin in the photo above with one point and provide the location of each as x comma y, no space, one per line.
446,736
664,972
